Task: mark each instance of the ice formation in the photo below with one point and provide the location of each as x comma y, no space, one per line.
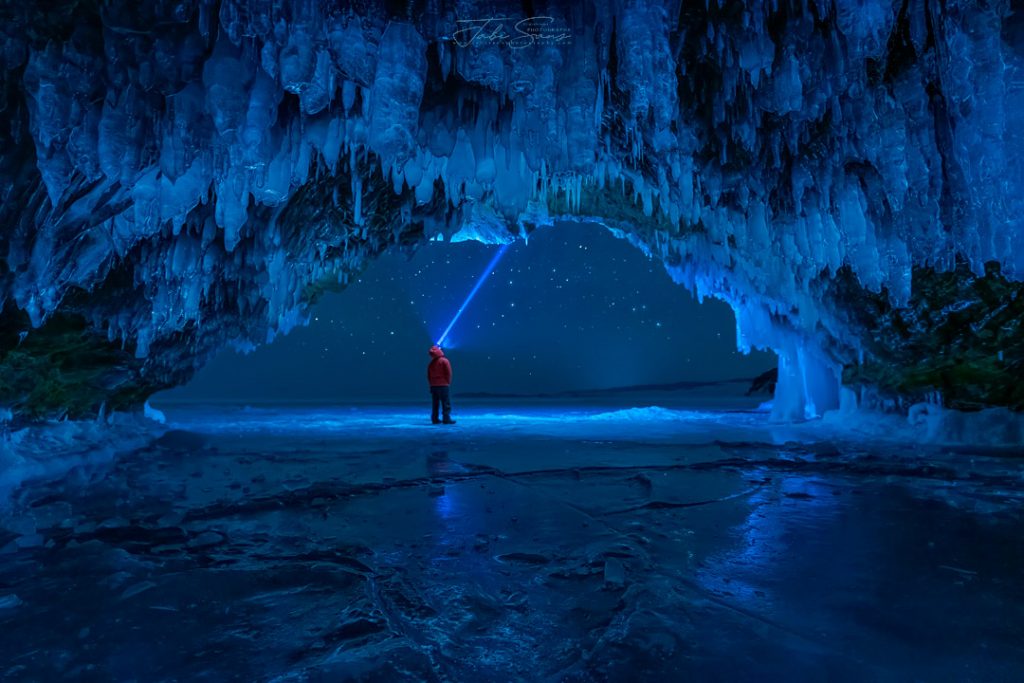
182,175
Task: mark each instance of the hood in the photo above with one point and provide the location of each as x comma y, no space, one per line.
435,351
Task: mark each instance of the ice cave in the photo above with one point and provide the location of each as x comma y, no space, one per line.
729,304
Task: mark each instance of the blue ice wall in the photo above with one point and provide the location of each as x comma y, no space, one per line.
224,157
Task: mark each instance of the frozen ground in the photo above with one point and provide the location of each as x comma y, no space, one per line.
529,542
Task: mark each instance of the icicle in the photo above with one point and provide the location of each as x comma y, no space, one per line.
357,199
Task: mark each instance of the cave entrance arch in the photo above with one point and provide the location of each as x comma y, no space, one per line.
571,309
165,196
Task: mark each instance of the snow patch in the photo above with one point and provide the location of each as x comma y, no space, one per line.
648,414
154,414
50,450
925,423
991,427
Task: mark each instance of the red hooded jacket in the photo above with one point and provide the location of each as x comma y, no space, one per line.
439,372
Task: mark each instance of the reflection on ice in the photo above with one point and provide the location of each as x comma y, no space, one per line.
764,541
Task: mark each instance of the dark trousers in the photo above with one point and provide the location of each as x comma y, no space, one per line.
441,396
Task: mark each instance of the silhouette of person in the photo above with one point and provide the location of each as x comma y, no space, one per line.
439,374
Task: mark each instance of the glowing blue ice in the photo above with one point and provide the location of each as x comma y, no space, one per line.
479,283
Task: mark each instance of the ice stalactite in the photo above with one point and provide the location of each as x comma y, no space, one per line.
180,176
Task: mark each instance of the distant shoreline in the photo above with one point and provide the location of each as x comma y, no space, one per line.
478,395
590,393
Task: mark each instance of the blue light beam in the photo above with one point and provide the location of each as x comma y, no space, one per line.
479,283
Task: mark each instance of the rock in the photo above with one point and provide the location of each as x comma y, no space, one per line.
764,383
956,341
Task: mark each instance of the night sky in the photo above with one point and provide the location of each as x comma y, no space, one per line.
575,308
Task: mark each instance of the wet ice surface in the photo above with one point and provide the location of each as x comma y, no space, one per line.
526,543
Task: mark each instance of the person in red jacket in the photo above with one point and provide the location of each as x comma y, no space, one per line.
439,374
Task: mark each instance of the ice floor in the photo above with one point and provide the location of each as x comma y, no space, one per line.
543,543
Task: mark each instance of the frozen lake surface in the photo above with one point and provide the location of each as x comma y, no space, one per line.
528,542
